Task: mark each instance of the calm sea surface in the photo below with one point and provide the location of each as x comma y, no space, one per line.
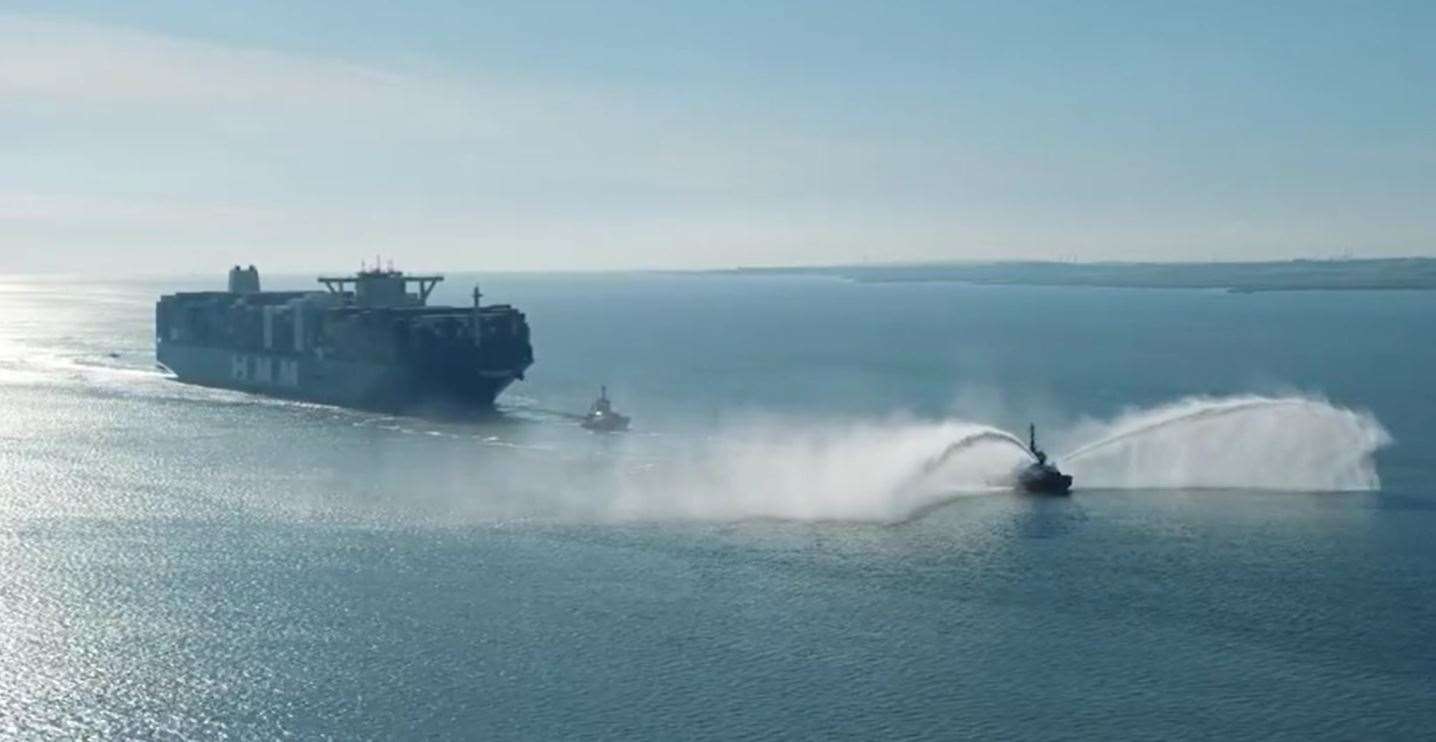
749,561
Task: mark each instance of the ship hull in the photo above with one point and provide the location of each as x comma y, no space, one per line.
410,387
1040,479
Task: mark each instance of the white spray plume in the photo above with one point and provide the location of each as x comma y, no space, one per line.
1250,442
880,472
892,471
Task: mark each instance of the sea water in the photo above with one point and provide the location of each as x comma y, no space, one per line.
808,532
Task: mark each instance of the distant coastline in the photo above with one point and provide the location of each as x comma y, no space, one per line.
1294,275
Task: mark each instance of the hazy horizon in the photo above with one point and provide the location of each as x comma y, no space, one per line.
164,137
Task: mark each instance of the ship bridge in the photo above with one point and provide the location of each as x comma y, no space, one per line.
382,288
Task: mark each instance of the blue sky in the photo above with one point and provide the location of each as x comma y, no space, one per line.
149,136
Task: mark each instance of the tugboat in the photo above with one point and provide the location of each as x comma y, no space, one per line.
601,416
1040,477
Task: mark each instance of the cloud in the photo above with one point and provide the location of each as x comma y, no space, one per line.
253,93
117,137
80,62
129,105
680,138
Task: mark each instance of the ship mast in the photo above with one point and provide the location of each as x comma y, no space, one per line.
478,322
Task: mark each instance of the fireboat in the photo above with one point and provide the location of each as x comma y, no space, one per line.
1041,477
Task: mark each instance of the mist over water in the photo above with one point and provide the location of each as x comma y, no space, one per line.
769,466
894,470
1248,442
856,471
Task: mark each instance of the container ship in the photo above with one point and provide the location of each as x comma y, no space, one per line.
369,340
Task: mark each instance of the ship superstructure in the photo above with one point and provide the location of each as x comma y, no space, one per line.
369,340
1041,476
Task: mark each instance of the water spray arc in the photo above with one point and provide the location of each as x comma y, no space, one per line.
920,478
968,441
1218,410
891,471
1271,443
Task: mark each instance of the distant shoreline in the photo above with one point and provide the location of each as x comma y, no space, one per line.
1379,274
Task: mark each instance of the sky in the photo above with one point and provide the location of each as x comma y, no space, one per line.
145,137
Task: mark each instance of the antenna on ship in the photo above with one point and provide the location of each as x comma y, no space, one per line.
1032,444
478,318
